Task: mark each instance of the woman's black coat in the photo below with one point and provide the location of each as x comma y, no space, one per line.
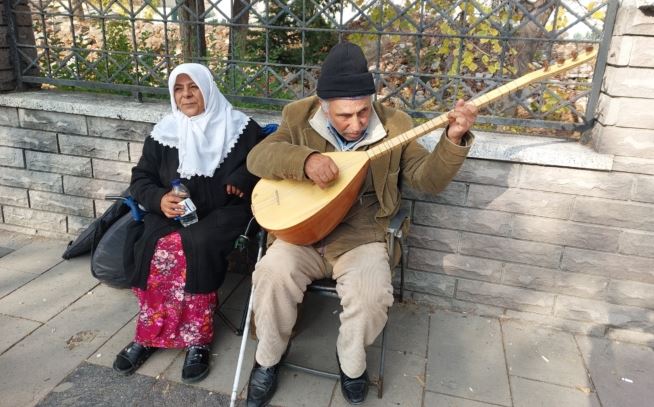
222,217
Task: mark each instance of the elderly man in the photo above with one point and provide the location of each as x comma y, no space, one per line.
342,118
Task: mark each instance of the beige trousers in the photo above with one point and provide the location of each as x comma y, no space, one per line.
363,284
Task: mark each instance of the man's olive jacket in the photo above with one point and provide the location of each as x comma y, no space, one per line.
282,155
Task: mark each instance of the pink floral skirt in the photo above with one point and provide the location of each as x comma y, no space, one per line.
168,316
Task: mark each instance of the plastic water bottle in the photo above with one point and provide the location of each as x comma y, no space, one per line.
190,215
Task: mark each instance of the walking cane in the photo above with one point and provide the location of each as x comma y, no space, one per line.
246,328
239,364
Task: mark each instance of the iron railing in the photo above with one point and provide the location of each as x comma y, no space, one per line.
424,54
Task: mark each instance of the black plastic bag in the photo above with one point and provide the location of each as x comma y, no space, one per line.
108,260
90,237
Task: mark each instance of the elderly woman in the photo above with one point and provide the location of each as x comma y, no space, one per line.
176,270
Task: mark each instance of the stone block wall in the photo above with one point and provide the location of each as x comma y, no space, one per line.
56,168
569,244
572,248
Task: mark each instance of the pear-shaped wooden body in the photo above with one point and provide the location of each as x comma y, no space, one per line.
302,213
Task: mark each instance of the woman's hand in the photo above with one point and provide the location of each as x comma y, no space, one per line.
170,205
233,190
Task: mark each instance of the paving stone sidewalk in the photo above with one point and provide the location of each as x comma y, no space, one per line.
61,331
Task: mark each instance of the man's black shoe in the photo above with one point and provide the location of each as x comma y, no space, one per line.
263,384
354,390
196,363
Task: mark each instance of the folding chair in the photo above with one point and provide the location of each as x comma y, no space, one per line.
327,287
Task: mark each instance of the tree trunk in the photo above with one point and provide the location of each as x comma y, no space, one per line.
78,11
194,43
526,49
238,31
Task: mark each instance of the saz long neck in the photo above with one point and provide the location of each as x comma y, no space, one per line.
480,102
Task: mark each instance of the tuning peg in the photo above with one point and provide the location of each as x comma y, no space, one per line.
560,61
575,54
589,49
546,66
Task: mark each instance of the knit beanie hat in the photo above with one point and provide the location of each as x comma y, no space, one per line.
345,73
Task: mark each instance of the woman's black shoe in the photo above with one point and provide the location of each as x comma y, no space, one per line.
196,364
132,357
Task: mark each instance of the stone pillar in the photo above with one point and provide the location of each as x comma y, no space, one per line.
625,111
7,75
22,22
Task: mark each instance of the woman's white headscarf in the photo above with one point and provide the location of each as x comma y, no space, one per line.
203,141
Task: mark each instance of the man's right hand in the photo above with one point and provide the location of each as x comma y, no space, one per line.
320,169
170,205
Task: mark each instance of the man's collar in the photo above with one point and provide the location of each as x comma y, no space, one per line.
343,143
375,132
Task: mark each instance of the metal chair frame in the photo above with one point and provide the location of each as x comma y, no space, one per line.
395,231
247,247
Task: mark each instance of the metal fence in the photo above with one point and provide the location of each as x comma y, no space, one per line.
424,54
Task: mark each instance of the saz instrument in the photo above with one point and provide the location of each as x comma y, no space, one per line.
302,213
